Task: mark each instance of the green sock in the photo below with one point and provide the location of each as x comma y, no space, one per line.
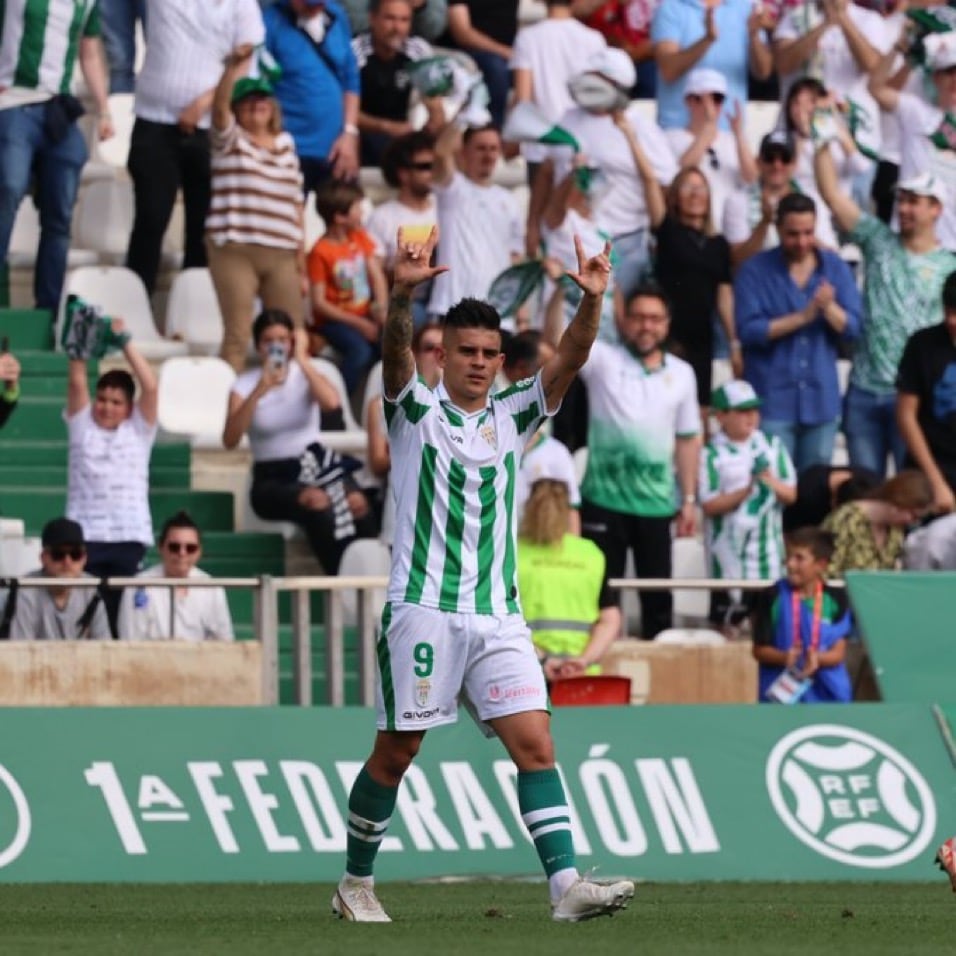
544,809
370,809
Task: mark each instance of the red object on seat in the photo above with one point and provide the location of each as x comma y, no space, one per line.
595,691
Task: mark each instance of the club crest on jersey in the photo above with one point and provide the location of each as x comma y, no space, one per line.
423,688
487,432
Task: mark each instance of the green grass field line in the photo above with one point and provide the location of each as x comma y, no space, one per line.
487,918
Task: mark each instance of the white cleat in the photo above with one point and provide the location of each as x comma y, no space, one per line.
355,900
586,900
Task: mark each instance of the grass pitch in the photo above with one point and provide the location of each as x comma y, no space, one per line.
486,918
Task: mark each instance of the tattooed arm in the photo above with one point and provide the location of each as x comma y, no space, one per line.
412,267
575,345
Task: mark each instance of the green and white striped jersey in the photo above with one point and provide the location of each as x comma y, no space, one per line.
747,542
453,476
39,40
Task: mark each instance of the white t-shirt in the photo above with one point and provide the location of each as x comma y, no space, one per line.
187,42
286,420
202,614
553,51
108,481
918,154
383,224
481,228
720,166
622,208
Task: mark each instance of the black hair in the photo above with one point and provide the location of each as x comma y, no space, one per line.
472,314
120,379
268,318
859,485
181,519
374,5
419,334
650,289
795,203
401,153
821,544
522,347
473,131
803,84
949,293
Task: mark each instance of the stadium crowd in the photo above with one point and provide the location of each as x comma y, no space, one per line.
744,283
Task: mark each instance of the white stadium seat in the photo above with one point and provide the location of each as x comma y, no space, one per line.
366,557
104,219
192,312
194,397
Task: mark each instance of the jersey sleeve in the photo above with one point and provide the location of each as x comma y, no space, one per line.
409,407
708,478
526,404
781,463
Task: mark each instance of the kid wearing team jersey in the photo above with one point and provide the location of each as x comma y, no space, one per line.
800,627
746,479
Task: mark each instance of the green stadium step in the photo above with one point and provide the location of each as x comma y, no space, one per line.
27,329
54,476
168,456
34,364
211,510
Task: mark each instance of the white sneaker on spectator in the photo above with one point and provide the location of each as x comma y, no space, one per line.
355,900
585,899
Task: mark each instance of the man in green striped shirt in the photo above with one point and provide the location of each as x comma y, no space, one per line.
452,628
40,43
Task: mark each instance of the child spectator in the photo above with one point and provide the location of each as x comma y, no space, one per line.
349,291
745,481
800,627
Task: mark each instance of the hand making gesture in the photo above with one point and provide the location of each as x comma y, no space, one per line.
413,259
593,274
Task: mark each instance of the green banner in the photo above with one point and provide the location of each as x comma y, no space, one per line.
664,793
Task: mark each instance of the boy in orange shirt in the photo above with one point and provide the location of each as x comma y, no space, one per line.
349,291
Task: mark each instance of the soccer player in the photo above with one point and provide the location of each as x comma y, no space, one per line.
452,625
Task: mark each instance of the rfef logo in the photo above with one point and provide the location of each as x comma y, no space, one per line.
15,820
850,796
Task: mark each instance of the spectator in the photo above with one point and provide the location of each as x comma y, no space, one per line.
745,480
621,211
42,149
10,379
723,156
570,611
180,613
626,24
868,533
118,20
931,547
253,252
382,55
408,166
59,613
524,353
429,17
281,407
903,279
319,86
800,628
546,457
485,30
349,291
821,489
806,96
794,304
925,129
644,415
724,35
479,222
111,440
169,146
926,402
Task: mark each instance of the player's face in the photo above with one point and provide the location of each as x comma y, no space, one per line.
803,568
470,361
739,424
797,235
111,408
180,551
644,325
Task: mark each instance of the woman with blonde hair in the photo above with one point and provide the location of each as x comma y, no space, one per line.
573,616
869,532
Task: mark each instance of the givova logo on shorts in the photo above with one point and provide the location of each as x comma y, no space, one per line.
850,796
15,821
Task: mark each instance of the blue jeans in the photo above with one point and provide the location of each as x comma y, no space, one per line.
498,80
807,444
25,151
356,354
118,23
869,423
633,260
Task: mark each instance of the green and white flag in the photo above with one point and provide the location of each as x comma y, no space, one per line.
434,75
513,287
527,124
863,130
266,64
87,333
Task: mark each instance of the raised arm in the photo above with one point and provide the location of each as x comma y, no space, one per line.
575,345
148,401
235,65
411,268
845,211
77,387
653,191
884,85
446,145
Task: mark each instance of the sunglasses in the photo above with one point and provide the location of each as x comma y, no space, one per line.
781,158
179,547
61,554
422,167
697,97
712,158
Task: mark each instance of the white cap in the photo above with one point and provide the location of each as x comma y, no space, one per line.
613,64
925,184
940,50
735,395
705,81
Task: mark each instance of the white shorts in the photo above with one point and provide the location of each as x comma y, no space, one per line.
429,661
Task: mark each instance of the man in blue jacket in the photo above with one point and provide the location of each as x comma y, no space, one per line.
319,86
